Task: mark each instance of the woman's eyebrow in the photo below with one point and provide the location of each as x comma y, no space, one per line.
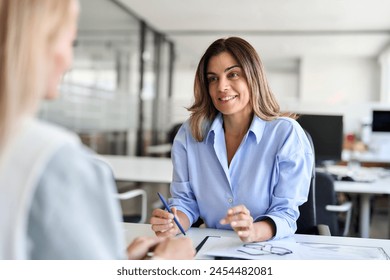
226,70
231,67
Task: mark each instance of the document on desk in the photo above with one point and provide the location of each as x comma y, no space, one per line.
288,249
232,247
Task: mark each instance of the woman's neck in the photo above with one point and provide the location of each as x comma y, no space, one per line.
235,128
237,125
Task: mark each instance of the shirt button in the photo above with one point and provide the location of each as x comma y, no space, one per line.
230,200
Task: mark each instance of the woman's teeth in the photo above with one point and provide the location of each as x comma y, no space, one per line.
227,98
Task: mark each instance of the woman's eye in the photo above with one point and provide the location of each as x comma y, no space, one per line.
211,79
233,75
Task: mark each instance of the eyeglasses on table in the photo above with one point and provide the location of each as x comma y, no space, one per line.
256,249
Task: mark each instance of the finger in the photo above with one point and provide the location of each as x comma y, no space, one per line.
238,217
168,233
238,210
241,224
174,211
224,221
140,246
147,240
244,236
162,228
160,221
162,214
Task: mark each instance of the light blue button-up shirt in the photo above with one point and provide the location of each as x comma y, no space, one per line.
269,173
74,214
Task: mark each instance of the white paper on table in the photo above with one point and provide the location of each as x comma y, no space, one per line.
327,251
229,246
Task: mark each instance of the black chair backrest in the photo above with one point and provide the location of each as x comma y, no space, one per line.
173,131
307,221
326,195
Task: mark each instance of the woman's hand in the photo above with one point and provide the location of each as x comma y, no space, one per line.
139,248
241,221
163,224
162,248
175,249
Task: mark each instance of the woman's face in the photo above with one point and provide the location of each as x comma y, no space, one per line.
228,86
62,53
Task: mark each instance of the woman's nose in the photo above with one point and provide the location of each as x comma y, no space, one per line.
223,84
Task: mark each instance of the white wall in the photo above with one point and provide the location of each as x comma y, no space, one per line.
339,80
343,85
183,92
384,60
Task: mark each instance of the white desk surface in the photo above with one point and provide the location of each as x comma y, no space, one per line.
140,169
159,149
132,231
380,186
368,156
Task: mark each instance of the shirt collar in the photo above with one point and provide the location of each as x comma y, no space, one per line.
216,125
256,128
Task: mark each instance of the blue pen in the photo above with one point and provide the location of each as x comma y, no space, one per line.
170,211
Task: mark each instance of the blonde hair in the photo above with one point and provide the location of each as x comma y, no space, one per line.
263,102
28,30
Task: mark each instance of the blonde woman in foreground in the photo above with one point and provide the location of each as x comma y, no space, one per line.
56,200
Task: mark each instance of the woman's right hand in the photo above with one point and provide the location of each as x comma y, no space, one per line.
162,248
163,224
175,249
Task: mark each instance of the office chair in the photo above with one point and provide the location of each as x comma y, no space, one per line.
132,194
328,208
129,195
308,222
172,133
319,214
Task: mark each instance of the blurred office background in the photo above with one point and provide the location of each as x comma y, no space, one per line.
135,62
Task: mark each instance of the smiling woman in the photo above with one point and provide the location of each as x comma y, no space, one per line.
239,162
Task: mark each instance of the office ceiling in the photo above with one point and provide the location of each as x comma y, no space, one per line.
279,29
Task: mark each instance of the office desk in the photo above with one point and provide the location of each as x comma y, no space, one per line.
140,169
197,234
365,191
368,157
162,149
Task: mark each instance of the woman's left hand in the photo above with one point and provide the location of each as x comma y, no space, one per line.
241,221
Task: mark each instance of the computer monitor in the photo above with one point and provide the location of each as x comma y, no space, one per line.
326,132
380,135
381,121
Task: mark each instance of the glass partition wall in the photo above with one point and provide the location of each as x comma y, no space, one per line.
116,96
